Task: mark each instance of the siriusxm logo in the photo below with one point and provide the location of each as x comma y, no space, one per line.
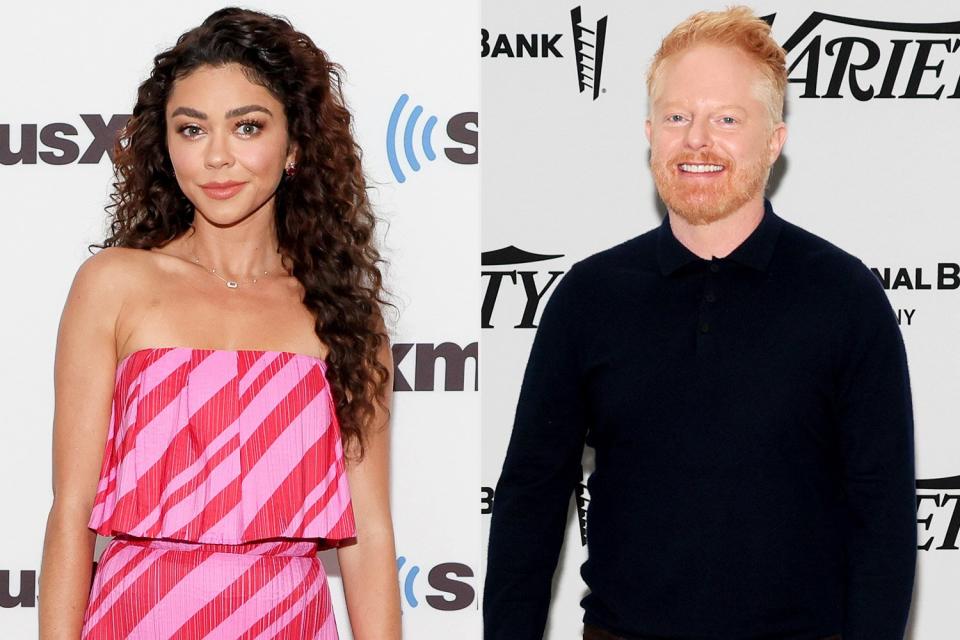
59,146
26,589
446,579
421,368
405,135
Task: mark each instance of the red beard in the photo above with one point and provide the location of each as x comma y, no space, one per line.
704,200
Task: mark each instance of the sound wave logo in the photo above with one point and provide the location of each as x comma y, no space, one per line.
588,51
408,582
409,128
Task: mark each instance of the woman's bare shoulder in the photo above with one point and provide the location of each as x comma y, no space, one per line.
102,284
85,370
116,258
112,270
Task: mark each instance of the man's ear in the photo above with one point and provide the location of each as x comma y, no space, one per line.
778,137
646,128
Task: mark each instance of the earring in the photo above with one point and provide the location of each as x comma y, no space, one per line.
291,168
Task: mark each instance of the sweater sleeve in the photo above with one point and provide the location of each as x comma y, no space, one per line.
876,430
541,468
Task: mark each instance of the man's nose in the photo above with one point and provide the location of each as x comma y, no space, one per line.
698,134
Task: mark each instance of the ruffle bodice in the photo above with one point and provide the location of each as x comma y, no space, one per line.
219,446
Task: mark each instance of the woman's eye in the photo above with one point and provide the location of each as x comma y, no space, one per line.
249,128
189,130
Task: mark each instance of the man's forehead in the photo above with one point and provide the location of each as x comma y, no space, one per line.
709,53
701,100
715,74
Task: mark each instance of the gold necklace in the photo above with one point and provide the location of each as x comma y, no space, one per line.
232,284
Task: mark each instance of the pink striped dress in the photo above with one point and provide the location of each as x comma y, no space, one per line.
223,475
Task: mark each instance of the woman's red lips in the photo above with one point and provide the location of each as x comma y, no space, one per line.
222,190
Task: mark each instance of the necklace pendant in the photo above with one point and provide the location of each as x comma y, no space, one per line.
232,284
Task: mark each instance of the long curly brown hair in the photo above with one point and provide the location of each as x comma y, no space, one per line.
324,220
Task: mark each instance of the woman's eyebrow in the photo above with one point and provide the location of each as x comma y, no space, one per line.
241,111
232,113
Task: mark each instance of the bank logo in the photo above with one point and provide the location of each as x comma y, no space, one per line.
876,60
55,143
520,45
588,42
449,584
945,277
486,500
582,496
26,589
938,514
588,51
534,283
410,141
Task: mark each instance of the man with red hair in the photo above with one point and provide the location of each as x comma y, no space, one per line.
745,387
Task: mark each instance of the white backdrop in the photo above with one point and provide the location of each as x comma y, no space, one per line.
60,60
566,175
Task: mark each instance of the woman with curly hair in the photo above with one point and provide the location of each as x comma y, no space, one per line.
223,374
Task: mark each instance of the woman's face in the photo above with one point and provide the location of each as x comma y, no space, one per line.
227,140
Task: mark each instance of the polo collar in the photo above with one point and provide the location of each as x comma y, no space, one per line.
754,252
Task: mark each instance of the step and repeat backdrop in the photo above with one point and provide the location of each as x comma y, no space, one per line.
70,74
870,163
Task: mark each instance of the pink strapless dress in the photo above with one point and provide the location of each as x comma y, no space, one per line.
223,475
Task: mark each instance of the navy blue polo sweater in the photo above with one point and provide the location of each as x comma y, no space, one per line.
752,424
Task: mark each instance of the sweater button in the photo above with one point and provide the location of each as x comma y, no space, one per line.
711,296
714,267
704,327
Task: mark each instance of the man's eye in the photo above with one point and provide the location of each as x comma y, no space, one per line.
728,120
676,117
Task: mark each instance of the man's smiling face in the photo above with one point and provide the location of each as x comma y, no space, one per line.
712,138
